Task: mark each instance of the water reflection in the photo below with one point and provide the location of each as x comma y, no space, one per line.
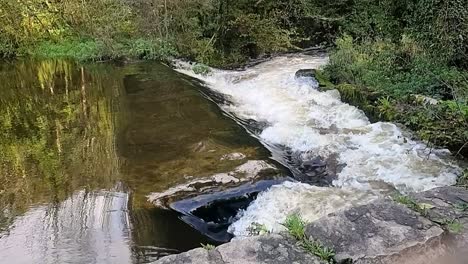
81,147
88,227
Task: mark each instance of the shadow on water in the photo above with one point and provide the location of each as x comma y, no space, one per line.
82,146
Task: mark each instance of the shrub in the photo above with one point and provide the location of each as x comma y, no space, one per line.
152,49
201,69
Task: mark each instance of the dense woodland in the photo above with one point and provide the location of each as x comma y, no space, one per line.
385,55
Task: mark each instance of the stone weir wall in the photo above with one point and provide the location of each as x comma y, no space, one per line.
429,228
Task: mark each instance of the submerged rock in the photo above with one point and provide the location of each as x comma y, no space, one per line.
305,73
251,170
210,204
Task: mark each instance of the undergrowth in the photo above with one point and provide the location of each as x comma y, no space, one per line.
398,82
95,50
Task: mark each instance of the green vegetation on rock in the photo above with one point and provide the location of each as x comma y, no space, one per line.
412,204
296,227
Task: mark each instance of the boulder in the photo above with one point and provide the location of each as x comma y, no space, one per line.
252,170
305,73
268,249
448,206
381,232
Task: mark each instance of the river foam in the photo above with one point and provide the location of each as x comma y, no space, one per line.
271,208
377,157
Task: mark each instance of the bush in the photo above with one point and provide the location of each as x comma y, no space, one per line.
385,79
94,50
83,50
201,69
397,69
152,49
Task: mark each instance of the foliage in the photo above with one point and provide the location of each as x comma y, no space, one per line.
256,229
463,179
386,108
441,27
387,80
412,204
209,31
201,69
453,225
295,226
316,248
152,49
444,124
208,246
93,50
398,69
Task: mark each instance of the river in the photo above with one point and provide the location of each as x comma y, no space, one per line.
83,145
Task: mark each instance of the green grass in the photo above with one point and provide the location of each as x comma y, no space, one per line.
422,209
319,250
208,246
94,50
453,226
296,228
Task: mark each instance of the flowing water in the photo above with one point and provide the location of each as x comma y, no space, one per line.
82,146
307,128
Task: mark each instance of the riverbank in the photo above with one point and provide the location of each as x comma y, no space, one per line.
402,84
429,227
439,122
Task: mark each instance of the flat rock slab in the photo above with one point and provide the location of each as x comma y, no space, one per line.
381,232
268,249
449,205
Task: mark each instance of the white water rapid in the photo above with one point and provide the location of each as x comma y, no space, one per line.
377,157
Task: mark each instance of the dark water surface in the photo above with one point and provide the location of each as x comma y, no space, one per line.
82,145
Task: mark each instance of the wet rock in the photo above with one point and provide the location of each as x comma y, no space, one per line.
305,73
381,232
213,213
210,204
269,249
233,156
314,170
251,170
